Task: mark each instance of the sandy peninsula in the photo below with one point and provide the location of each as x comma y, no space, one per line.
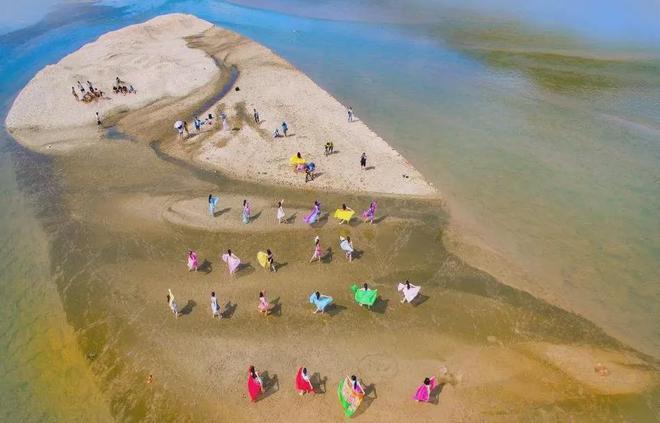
182,59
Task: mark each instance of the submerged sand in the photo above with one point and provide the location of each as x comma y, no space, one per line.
133,212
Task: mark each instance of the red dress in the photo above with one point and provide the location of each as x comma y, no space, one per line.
302,384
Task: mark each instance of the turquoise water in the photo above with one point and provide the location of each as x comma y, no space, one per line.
541,128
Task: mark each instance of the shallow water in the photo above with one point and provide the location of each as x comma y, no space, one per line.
553,160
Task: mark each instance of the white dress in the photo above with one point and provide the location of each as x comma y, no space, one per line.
280,213
215,309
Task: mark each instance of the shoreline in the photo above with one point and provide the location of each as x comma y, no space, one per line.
460,353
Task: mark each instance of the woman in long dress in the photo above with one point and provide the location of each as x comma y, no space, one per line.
320,301
409,291
280,212
192,261
215,307
347,246
233,262
263,306
213,203
314,215
245,215
317,250
344,214
255,384
423,393
370,213
303,382
172,303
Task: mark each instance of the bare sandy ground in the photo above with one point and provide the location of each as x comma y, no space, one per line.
161,60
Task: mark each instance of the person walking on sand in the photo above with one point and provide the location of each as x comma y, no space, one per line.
213,203
245,215
256,116
314,215
423,393
98,119
363,161
178,125
317,250
303,382
255,384
225,124
408,291
172,303
263,306
215,307
73,91
233,262
271,260
280,212
285,128
192,261
80,87
370,213
350,113
321,302
347,245
198,124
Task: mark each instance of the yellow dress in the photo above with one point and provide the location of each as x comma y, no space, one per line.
295,160
342,214
262,258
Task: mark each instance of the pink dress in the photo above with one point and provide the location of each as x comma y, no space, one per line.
232,262
263,304
192,261
424,391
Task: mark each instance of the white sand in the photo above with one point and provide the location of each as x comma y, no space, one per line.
153,57
280,93
156,59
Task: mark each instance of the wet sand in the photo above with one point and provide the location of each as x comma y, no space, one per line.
116,249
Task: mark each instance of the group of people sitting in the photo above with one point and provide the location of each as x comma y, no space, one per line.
121,87
88,94
300,165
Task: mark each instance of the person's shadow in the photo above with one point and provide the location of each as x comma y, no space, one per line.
271,385
369,397
380,305
327,257
188,307
230,309
221,212
319,383
276,307
291,219
434,397
256,216
334,309
205,267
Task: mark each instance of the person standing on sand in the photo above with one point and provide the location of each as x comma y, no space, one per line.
198,124
423,393
81,88
256,116
233,262
350,113
285,128
73,91
280,212
347,245
370,213
303,384
363,161
314,215
225,125
320,301
271,260
263,306
192,261
245,215
317,250
215,307
172,303
255,384
213,203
